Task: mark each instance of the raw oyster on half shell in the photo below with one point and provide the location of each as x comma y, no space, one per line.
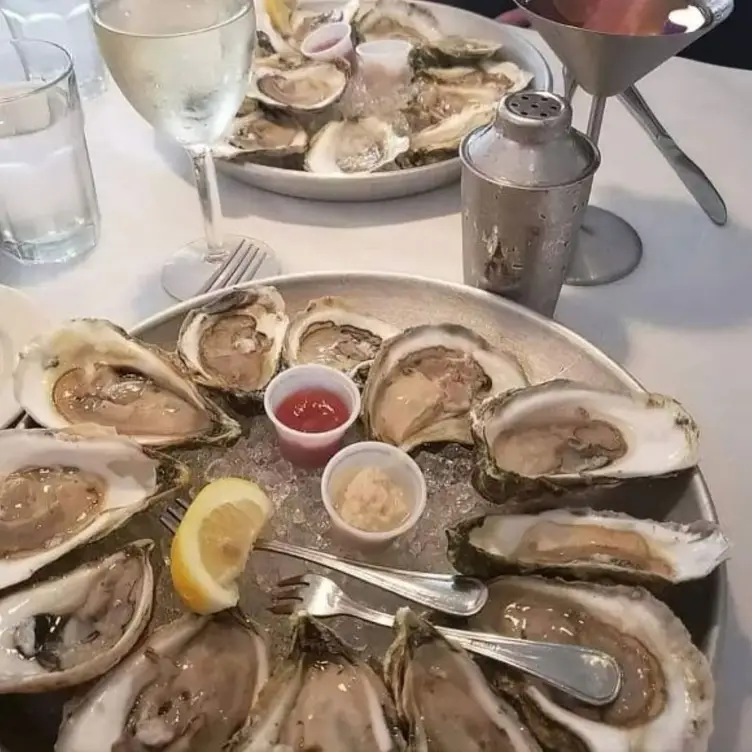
234,343
265,138
307,87
334,334
358,145
396,19
91,371
586,544
666,700
442,697
453,51
424,381
189,688
63,489
559,436
441,140
72,629
322,697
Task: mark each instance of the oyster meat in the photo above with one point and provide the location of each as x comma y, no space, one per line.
396,19
666,700
558,436
61,490
91,371
190,687
307,87
443,698
587,544
332,333
234,344
507,77
266,138
424,381
322,697
358,145
74,628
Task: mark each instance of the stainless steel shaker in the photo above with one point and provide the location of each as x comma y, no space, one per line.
526,182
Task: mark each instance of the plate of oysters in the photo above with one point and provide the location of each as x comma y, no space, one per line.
514,485
327,129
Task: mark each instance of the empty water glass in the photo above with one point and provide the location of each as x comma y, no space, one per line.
67,23
48,204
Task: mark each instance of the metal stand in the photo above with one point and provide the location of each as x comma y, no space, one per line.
608,247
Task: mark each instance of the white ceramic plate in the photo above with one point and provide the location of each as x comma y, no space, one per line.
409,182
20,321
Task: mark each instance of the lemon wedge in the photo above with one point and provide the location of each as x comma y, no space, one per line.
278,12
213,542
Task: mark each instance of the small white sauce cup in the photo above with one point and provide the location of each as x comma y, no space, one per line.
299,447
329,42
398,466
390,57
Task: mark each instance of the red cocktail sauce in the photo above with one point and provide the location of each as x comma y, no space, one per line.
311,410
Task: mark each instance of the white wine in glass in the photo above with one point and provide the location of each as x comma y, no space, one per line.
184,66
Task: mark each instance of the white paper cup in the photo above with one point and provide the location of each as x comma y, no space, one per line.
398,465
390,57
329,42
310,449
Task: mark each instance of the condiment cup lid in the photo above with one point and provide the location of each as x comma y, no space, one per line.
297,378
400,467
334,38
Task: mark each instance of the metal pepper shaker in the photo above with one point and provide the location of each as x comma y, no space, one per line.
526,181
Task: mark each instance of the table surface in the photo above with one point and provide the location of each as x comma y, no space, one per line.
682,323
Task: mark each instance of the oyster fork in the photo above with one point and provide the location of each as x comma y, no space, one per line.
589,675
456,595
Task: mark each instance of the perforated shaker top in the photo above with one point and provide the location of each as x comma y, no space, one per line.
531,143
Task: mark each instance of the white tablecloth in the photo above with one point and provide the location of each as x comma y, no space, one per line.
682,323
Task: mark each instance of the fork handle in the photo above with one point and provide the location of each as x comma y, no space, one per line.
454,595
589,675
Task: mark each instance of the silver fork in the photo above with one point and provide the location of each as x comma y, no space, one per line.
241,264
455,595
589,675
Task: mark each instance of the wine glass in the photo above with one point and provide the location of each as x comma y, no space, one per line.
184,66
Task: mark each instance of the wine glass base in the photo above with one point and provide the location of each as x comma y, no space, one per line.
187,271
608,249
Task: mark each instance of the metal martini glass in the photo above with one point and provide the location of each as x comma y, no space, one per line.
606,64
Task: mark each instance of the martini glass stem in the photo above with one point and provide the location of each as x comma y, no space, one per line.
595,121
208,195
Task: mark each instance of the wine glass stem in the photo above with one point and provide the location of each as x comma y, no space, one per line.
206,182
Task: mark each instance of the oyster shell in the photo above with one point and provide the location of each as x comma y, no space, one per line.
442,140
506,76
265,138
424,381
74,628
61,490
307,87
396,19
666,700
234,344
333,334
453,50
443,698
91,371
586,544
559,436
322,697
188,688
358,145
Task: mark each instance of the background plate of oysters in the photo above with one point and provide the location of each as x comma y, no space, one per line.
318,130
550,472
